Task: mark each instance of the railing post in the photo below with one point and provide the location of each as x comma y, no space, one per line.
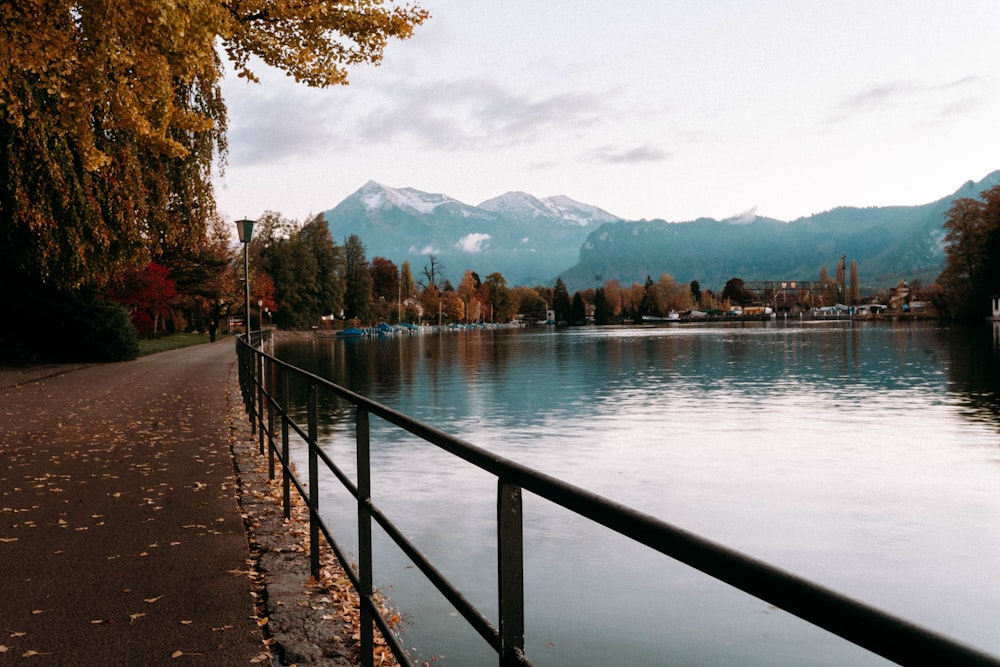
260,396
313,482
286,478
248,392
269,367
363,437
510,556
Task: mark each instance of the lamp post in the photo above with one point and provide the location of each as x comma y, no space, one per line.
245,229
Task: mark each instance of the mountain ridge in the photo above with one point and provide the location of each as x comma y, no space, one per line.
532,240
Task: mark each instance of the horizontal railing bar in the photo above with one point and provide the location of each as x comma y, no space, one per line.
468,611
882,633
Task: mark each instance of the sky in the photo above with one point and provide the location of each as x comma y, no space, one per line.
670,109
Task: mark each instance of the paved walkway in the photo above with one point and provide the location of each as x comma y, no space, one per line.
121,540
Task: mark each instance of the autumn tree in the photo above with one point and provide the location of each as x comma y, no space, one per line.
407,284
147,294
469,290
531,304
501,302
111,119
972,263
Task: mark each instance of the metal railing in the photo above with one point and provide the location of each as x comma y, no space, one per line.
264,380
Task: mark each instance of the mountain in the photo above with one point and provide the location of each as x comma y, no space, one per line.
527,239
533,240
888,243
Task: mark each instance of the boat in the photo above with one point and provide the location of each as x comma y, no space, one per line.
353,332
673,316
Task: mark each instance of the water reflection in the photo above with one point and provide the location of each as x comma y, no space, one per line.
861,455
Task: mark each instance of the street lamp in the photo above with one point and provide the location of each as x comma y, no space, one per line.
245,229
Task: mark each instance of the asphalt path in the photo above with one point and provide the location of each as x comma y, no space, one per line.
121,537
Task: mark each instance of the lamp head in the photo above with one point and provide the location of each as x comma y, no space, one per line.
245,229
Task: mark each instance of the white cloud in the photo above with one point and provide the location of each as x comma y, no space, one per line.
426,250
472,242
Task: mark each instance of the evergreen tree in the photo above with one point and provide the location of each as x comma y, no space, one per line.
358,281
603,313
578,310
560,302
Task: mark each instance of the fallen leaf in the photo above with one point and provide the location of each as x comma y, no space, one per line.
29,653
186,622
3,649
133,617
152,600
36,612
261,622
18,634
8,539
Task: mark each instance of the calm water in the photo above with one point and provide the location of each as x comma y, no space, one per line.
864,457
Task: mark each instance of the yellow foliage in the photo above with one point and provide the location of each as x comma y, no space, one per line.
111,119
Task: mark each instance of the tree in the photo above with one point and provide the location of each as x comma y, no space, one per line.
111,119
530,303
432,272
735,291
147,294
696,292
653,302
972,266
578,310
408,287
499,298
855,288
469,290
307,270
603,313
386,289
358,282
560,302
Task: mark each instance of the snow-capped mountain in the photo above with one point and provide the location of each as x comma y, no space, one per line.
527,239
375,197
521,205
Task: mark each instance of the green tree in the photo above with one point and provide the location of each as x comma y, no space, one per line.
386,288
653,300
603,312
358,281
696,292
578,310
307,269
735,291
560,302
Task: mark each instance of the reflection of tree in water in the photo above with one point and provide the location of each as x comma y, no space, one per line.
974,369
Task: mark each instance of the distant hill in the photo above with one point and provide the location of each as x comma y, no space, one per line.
527,239
533,240
888,243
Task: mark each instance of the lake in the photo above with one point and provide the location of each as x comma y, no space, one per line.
862,456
